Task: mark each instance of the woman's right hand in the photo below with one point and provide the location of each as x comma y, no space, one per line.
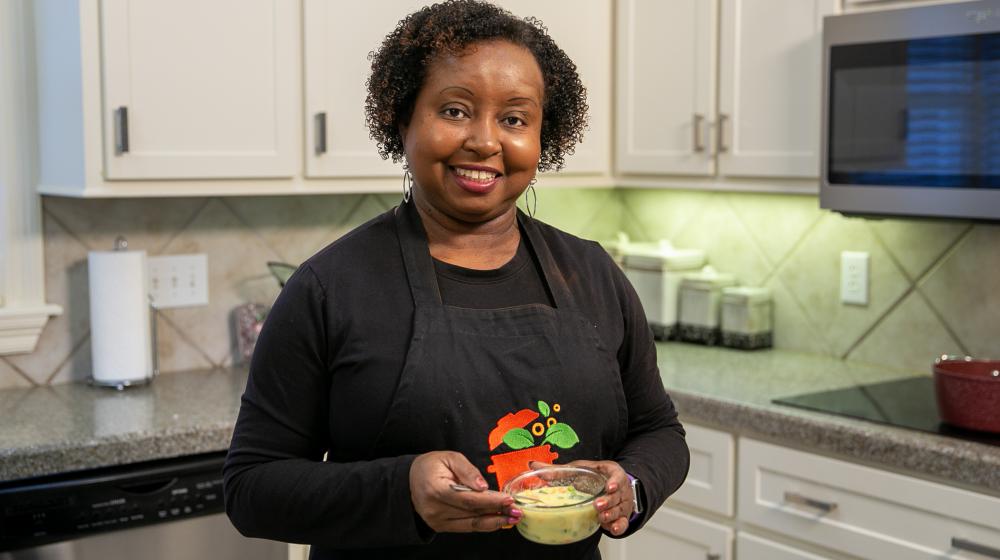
446,510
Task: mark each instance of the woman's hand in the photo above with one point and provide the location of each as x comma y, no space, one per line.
615,507
446,510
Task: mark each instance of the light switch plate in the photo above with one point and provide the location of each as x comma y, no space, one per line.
854,277
178,280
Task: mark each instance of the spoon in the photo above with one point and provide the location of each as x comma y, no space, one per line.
464,488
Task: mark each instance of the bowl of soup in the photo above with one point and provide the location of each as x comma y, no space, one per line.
557,503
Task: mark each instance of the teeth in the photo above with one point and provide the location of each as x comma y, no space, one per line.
475,174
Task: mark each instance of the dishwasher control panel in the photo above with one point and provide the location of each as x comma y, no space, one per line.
69,506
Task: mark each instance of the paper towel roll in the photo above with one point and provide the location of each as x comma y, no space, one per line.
120,339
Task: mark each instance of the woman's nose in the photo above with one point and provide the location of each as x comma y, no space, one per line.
483,137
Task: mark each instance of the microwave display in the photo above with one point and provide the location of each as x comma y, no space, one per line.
922,112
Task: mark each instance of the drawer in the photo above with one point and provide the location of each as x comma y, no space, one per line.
709,483
675,535
752,547
861,510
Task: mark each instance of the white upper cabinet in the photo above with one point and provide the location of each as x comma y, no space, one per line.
582,28
666,86
338,38
765,120
196,89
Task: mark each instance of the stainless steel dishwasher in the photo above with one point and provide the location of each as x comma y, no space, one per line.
169,509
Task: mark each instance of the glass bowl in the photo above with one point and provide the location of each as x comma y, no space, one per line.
557,502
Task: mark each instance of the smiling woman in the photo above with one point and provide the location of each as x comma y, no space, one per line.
418,353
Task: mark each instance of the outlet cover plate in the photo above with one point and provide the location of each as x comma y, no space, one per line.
178,280
854,277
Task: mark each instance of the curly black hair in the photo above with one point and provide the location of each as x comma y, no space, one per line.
400,65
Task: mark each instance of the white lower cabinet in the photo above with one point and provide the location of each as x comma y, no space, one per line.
675,535
862,511
752,547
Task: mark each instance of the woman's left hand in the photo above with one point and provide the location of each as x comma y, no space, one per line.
615,507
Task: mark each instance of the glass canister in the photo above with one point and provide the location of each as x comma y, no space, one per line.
747,317
700,303
655,271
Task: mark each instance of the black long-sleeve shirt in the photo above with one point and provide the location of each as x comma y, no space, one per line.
324,373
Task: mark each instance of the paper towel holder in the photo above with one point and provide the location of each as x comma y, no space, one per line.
121,244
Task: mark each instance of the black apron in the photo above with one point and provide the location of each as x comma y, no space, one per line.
503,387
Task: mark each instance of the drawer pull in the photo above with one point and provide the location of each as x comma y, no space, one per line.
121,130
825,507
987,551
320,133
711,556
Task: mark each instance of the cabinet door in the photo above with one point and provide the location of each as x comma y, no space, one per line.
750,547
338,38
196,89
710,481
674,535
666,86
769,89
582,28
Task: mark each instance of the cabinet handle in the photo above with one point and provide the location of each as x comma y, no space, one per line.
721,133
320,133
121,130
801,500
970,546
711,556
696,125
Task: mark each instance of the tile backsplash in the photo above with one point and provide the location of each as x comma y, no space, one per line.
933,283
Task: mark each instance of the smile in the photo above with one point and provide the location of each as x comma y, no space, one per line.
476,181
478,175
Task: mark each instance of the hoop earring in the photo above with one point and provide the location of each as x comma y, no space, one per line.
407,185
534,198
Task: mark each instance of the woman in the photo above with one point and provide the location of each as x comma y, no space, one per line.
453,340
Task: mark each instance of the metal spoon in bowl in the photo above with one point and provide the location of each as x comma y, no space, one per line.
464,488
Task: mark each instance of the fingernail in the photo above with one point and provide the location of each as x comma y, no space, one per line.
607,515
507,501
481,484
513,520
612,486
516,512
601,504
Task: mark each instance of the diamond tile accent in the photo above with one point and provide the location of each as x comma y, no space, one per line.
917,244
571,210
662,214
233,258
812,273
726,242
909,338
10,378
176,352
295,226
78,367
146,223
776,222
792,328
963,289
66,285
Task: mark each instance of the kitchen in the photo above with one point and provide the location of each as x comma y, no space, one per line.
738,85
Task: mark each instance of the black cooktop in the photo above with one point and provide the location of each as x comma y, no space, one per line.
906,403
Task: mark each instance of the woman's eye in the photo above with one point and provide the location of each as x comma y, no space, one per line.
513,121
453,113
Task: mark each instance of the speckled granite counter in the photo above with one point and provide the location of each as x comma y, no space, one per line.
70,427
75,426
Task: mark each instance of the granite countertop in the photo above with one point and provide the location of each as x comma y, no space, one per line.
75,426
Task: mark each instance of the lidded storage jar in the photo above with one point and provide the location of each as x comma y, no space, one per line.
746,317
655,271
700,302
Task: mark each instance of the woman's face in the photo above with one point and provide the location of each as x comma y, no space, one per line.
474,139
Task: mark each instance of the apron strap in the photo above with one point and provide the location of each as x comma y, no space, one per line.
552,276
416,257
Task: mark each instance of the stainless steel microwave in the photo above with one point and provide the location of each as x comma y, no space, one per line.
911,112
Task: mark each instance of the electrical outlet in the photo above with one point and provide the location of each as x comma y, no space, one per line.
854,277
178,280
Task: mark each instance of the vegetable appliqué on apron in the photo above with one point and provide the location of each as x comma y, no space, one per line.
521,432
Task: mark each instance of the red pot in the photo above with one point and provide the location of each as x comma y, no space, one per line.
968,392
